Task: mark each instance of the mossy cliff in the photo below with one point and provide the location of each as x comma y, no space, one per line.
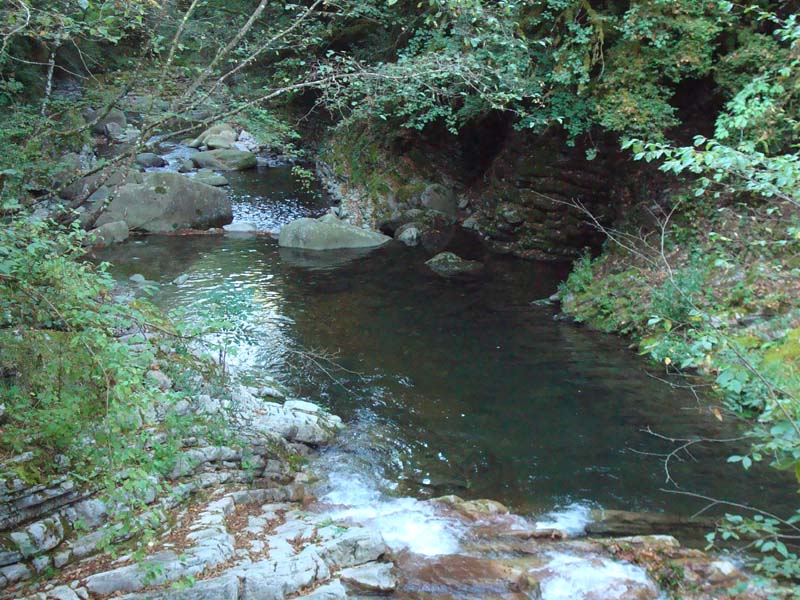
524,193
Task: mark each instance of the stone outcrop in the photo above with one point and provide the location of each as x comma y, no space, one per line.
59,524
525,194
165,202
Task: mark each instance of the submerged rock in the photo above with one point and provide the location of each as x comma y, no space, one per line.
165,202
448,264
209,177
328,233
225,160
240,228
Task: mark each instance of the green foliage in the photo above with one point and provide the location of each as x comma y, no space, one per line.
68,375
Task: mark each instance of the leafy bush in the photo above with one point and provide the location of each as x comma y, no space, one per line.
71,384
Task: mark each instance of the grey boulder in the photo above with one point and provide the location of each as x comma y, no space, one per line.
225,160
149,160
328,233
165,202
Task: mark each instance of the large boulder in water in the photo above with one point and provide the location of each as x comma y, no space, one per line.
167,201
225,160
328,233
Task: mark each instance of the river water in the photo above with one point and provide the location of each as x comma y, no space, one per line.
466,388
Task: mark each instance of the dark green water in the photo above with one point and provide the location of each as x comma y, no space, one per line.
453,387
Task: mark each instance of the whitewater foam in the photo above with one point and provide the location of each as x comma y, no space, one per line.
405,523
571,519
576,577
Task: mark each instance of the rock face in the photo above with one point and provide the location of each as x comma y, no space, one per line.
225,160
328,233
165,202
448,264
441,198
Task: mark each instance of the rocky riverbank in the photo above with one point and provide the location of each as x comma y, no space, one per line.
243,528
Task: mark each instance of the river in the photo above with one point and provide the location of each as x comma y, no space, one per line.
448,387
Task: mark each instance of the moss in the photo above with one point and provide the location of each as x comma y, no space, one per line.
786,352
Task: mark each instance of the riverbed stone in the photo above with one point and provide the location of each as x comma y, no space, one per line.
240,228
165,202
150,160
353,547
110,233
247,141
448,264
372,577
209,177
225,160
409,234
328,233
215,137
295,422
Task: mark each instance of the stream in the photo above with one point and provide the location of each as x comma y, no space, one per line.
465,388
